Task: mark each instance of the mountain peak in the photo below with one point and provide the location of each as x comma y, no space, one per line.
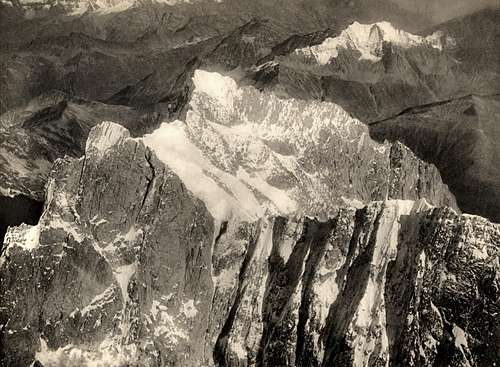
221,89
367,39
104,136
145,267
246,153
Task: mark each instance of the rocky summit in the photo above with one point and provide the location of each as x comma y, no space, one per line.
127,266
266,183
442,83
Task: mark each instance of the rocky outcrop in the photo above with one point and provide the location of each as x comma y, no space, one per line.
16,210
128,266
85,242
138,60
55,125
49,127
375,71
284,155
259,152
433,93
255,227
459,136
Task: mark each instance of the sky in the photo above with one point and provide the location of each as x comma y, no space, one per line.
442,10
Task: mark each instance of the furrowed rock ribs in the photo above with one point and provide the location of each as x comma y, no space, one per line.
127,266
260,225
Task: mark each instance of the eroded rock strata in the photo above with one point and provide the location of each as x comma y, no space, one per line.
128,267
288,143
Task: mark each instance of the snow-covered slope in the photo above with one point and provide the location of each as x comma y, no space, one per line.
442,94
246,153
368,39
128,267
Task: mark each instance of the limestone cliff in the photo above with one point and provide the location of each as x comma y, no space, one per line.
128,267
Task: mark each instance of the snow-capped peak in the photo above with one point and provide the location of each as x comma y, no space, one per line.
368,40
79,7
222,89
247,153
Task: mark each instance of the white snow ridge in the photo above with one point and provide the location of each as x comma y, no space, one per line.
367,39
245,153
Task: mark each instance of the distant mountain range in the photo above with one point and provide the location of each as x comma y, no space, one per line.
236,183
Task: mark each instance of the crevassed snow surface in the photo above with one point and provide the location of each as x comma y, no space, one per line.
368,39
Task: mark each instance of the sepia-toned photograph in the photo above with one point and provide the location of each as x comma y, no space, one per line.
250,183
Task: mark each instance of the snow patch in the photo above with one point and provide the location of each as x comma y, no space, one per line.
132,234
97,222
461,343
326,292
224,195
293,231
123,274
223,89
460,338
278,197
481,253
114,355
58,223
165,326
226,278
99,301
238,349
353,202
188,309
370,317
114,7
24,236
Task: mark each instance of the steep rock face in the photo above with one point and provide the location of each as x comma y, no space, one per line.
261,152
225,123
152,278
459,136
284,155
49,127
436,93
114,267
